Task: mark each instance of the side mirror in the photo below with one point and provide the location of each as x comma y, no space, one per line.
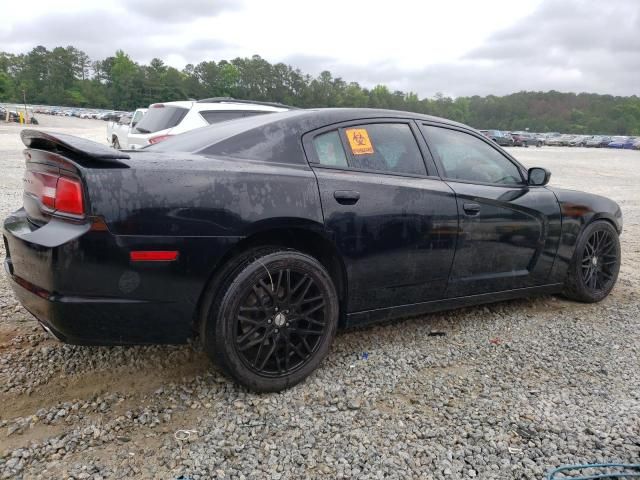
133,124
538,176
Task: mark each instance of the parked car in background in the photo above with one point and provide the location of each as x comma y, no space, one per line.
501,138
164,120
560,141
596,141
541,137
525,139
636,144
118,131
112,116
620,142
579,140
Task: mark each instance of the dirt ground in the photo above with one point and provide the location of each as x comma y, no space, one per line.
81,412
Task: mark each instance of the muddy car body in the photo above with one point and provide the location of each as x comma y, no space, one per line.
261,236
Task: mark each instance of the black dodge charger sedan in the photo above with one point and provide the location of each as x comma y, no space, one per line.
261,236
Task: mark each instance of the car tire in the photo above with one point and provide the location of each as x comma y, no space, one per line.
539,144
115,143
273,319
595,264
525,144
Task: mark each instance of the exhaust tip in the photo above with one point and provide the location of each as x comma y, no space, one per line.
50,332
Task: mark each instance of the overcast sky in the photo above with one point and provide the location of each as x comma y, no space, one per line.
454,47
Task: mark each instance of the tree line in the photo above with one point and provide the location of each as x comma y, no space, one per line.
67,76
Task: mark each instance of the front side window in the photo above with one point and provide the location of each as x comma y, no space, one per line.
385,147
467,158
137,116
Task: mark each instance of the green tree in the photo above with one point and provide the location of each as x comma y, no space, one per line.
68,76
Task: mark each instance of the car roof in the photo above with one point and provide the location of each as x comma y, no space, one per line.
224,104
326,116
275,137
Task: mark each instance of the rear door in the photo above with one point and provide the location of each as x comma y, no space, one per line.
509,231
393,221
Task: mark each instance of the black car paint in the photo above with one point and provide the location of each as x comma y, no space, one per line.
405,247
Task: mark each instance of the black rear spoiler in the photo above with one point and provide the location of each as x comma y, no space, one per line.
74,147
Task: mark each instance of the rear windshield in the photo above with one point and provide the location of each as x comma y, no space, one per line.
160,118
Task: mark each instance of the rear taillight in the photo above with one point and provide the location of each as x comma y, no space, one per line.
55,192
158,139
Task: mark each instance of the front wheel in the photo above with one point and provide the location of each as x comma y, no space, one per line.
116,143
273,321
595,265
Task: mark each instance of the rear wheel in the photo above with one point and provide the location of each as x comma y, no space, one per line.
595,265
273,320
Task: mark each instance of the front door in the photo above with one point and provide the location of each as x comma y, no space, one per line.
509,231
393,224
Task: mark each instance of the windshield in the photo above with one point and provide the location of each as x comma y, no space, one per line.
160,118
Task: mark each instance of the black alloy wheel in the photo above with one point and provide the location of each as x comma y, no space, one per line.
599,259
595,265
274,320
280,322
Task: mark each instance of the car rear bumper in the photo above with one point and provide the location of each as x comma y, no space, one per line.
80,284
95,321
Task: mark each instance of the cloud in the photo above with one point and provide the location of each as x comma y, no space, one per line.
568,45
171,11
100,33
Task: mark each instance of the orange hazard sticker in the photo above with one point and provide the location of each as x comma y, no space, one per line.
359,141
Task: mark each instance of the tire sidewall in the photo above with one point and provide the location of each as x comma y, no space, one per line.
583,292
225,321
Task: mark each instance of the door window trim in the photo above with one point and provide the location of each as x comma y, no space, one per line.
314,161
440,166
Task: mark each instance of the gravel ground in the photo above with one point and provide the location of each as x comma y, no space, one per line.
510,391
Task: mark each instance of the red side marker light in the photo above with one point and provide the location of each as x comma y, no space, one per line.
153,255
158,139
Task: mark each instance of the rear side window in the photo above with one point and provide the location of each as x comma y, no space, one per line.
385,147
329,149
217,116
161,118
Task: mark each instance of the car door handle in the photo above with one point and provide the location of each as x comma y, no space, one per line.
471,208
346,197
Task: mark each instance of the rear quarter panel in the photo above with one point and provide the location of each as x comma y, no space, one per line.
199,196
197,205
